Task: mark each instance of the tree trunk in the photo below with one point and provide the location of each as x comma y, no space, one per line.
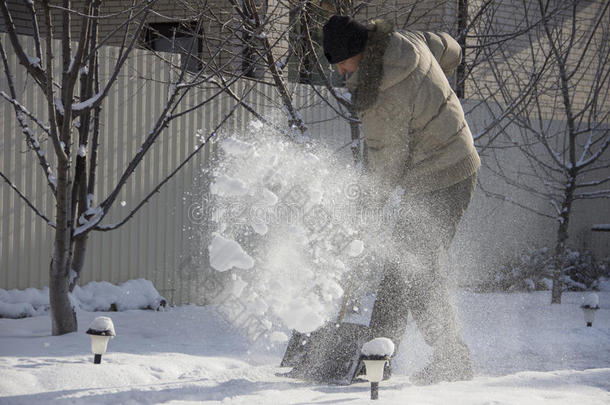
79,207
63,316
562,236
78,260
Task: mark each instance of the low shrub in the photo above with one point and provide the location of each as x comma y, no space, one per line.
533,271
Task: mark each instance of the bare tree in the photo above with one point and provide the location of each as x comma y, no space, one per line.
74,97
559,81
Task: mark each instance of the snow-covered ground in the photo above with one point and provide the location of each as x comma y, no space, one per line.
525,351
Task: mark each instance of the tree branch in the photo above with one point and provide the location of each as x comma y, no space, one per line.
32,65
51,108
97,99
27,201
511,201
105,228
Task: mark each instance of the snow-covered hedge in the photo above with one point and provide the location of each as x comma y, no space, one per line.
533,271
95,296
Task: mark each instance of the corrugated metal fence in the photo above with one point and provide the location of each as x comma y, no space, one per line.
157,244
152,244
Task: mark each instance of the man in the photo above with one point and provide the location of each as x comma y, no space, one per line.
417,139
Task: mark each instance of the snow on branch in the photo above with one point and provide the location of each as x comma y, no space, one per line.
77,107
89,219
25,111
20,111
98,97
34,61
31,64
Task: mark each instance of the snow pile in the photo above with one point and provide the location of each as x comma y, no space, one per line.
23,303
132,294
95,296
378,347
278,215
591,301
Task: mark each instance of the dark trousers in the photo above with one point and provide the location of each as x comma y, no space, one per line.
412,280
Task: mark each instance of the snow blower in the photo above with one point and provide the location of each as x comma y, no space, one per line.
330,354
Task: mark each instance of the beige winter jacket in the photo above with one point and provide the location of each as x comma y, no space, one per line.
414,125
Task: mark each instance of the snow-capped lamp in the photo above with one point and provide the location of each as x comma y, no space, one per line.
376,353
590,304
101,331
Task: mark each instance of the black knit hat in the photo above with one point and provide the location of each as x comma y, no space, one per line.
344,37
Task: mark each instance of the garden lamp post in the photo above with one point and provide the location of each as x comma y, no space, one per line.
375,354
374,372
101,331
589,306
